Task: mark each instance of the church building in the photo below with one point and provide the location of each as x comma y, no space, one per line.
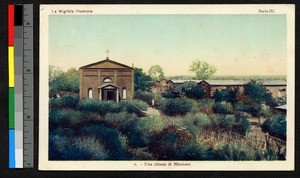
106,80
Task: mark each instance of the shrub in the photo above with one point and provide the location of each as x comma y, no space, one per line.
276,126
78,148
206,105
241,125
223,122
111,139
236,151
91,116
195,151
101,107
265,111
257,93
64,118
223,108
144,96
229,95
66,101
192,90
89,105
135,106
176,106
140,104
164,145
242,107
142,129
192,123
120,120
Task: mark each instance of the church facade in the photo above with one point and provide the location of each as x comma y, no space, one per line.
106,80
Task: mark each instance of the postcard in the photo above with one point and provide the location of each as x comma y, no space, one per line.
167,87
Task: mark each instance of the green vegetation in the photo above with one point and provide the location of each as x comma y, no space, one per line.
156,72
189,89
142,81
186,129
62,82
176,106
276,126
202,69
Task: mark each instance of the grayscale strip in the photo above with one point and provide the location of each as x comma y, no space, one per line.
28,102
18,55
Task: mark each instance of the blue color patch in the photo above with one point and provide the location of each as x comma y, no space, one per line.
12,161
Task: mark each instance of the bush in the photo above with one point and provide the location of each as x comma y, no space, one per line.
176,106
276,126
192,90
64,118
135,106
89,105
241,125
257,93
223,108
142,129
229,95
120,120
164,145
242,107
192,123
111,139
206,105
236,151
78,148
66,101
266,111
101,107
144,96
223,122
195,151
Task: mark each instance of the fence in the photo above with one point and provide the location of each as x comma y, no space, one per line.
258,141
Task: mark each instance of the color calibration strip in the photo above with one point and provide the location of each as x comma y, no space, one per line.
20,59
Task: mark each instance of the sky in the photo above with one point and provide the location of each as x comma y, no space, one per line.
253,44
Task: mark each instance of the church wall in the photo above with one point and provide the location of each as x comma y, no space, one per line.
86,82
93,78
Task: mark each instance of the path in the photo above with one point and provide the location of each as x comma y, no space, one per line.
153,111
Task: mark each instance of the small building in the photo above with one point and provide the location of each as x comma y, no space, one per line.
106,80
276,87
210,86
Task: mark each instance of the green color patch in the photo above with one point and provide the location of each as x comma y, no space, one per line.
11,107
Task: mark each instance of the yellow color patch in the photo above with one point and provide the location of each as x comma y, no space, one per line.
11,67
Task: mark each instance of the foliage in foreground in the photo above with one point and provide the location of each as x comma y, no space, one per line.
176,106
276,126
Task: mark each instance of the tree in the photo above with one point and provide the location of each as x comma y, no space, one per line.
202,69
63,82
156,72
258,94
142,81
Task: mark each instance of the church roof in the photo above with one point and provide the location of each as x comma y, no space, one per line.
105,64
